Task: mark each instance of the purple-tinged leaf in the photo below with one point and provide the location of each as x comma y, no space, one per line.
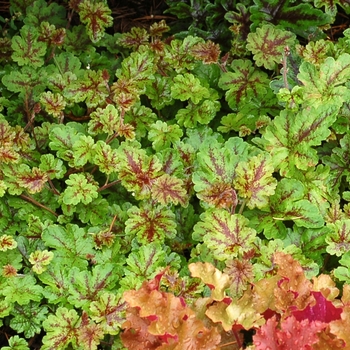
168,189
109,312
86,286
268,44
96,16
151,224
254,180
27,50
137,170
33,180
61,329
245,81
92,88
339,238
226,235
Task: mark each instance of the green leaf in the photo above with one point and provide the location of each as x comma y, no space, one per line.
201,113
22,289
168,189
216,169
72,244
16,343
109,312
61,329
96,16
254,180
338,239
145,262
51,166
91,88
137,170
268,44
301,17
28,319
86,286
40,11
290,138
106,120
94,212
245,81
79,189
325,85
188,87
226,235
289,203
163,135
151,224
27,50
338,162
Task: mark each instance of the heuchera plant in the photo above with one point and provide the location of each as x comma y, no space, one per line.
160,191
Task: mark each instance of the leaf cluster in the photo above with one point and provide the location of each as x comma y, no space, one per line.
166,192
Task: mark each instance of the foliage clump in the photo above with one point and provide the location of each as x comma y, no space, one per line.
175,186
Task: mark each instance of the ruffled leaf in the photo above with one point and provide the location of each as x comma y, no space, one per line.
79,189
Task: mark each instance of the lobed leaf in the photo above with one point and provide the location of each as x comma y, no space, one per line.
268,44
225,235
96,16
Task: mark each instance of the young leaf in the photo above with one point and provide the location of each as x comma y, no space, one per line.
268,44
163,135
96,16
106,120
254,181
51,166
79,189
151,224
206,52
27,50
40,259
226,235
187,86
54,104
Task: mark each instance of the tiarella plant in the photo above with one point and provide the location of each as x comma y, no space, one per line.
175,187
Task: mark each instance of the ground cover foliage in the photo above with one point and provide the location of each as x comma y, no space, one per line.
180,186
